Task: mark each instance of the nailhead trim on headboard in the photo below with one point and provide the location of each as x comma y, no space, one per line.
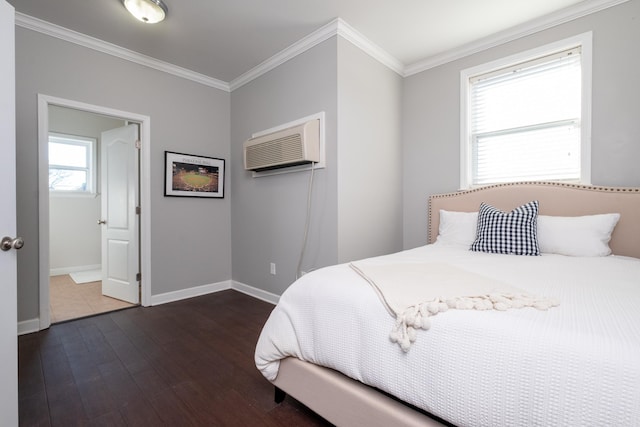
595,188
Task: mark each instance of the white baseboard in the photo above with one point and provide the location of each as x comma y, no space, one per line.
190,292
255,292
66,270
33,325
28,326
215,287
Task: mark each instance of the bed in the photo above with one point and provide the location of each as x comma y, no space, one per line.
327,343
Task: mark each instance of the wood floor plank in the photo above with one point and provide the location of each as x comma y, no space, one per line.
150,382
140,413
172,410
33,410
111,419
67,410
96,399
31,378
187,363
201,404
122,388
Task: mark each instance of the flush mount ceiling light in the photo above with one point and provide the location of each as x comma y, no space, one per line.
147,11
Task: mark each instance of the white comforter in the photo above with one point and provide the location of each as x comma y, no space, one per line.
575,365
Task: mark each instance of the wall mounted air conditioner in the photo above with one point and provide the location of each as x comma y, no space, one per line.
293,146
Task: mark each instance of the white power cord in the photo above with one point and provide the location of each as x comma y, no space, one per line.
306,225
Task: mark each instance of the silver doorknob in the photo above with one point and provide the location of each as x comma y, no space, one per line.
102,221
8,243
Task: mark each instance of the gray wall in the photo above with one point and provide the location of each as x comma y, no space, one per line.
431,119
357,198
74,236
369,156
190,238
74,243
269,212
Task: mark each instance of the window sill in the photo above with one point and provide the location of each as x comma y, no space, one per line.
72,194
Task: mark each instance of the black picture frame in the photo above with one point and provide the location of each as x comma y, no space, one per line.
189,175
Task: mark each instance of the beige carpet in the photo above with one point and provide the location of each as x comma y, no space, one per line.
70,301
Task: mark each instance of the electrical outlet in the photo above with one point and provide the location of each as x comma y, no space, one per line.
272,268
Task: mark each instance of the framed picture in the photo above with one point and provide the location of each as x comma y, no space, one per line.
187,175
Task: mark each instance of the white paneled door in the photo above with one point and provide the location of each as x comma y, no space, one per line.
8,256
119,222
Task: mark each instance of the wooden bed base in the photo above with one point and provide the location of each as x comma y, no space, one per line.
346,402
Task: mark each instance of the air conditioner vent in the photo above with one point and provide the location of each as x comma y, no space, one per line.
288,147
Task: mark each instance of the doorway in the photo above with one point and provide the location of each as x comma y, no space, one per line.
74,275
76,195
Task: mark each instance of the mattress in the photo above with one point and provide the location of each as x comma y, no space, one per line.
575,364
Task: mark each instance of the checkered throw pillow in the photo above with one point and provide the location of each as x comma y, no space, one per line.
507,233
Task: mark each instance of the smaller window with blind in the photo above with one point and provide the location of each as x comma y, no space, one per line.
525,118
72,164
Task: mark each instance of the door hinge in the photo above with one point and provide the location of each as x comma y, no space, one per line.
138,144
137,210
138,277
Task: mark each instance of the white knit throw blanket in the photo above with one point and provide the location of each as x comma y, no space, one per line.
413,292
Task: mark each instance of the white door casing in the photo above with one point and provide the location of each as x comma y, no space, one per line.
119,221
8,259
44,101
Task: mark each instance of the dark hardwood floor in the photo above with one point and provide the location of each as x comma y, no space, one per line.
187,363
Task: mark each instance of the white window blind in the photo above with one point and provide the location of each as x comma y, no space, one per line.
525,121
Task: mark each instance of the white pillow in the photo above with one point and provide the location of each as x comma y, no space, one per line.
586,236
457,228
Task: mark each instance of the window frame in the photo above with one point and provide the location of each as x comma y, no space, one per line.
584,41
92,161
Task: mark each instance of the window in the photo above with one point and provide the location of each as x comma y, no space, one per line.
526,118
72,164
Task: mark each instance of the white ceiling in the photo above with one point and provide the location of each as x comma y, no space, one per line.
225,39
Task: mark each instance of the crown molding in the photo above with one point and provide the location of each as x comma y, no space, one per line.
335,27
323,33
80,39
565,15
357,39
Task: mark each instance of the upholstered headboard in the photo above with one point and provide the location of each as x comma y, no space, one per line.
555,199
